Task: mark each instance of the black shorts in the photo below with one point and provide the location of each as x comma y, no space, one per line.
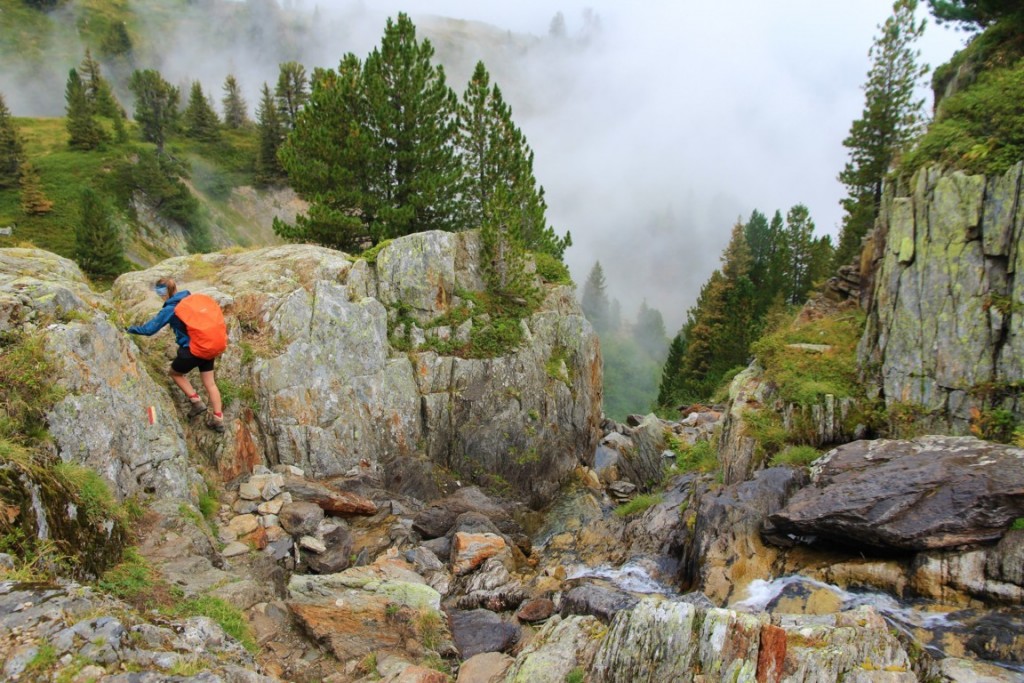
185,361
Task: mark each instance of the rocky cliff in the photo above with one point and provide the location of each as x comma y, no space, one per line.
944,290
317,381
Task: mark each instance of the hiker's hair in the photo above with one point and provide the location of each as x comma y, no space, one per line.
169,283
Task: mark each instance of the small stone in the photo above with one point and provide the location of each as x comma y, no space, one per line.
270,507
226,535
234,549
249,491
243,507
536,610
243,524
269,521
312,544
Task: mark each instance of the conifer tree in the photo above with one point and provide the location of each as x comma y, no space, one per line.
892,117
83,130
595,303
977,13
325,160
235,108
671,375
201,122
34,201
495,154
117,42
97,88
800,243
156,105
415,175
502,253
98,247
292,92
649,332
271,133
11,153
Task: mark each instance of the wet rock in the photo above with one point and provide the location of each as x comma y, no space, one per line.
639,455
440,546
301,518
621,491
486,667
337,554
590,599
954,670
480,630
536,610
928,493
490,587
561,646
1006,561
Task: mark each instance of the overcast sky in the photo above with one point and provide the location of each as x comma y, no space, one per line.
652,138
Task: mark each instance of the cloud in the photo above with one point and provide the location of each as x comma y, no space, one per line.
653,134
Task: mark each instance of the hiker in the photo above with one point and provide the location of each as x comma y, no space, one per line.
184,362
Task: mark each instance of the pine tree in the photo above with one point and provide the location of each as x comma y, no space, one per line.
97,88
495,154
271,133
800,243
595,300
891,119
649,332
98,248
11,153
235,108
502,253
292,92
156,105
117,42
415,175
977,13
671,374
34,201
83,131
201,122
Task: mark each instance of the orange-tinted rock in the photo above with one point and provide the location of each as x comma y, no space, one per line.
470,550
771,654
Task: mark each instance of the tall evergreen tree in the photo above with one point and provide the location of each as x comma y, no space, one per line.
502,253
495,154
201,122
83,130
672,372
235,108
892,117
98,247
415,175
33,200
800,244
649,332
97,88
292,92
325,160
595,303
271,134
977,13
156,105
12,154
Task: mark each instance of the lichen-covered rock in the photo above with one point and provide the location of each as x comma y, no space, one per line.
327,392
944,327
102,421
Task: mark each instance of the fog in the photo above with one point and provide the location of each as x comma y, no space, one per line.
656,127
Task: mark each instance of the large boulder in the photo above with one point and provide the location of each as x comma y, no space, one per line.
325,389
103,420
929,493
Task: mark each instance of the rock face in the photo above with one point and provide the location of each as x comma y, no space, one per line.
311,333
102,420
945,330
930,493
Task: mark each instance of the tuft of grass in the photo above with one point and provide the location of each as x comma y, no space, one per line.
27,389
229,617
1018,524
131,580
639,504
93,493
799,456
804,377
698,457
577,675
44,658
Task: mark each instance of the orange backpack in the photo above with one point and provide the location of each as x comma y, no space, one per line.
204,322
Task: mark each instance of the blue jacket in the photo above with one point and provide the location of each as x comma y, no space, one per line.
164,317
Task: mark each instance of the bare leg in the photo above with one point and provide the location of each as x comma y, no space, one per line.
211,390
183,383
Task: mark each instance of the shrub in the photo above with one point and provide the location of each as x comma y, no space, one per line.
27,389
638,504
699,457
799,456
551,269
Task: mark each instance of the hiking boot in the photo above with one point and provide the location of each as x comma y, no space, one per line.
197,408
215,423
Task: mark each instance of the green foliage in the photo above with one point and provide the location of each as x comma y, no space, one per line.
977,13
1018,524
799,456
92,492
83,131
44,658
805,376
979,129
892,118
997,424
156,106
639,504
269,170
132,579
697,457
550,269
27,389
766,429
235,108
231,393
292,92
199,117
596,306
229,617
98,247
630,376
502,254
577,675
11,152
